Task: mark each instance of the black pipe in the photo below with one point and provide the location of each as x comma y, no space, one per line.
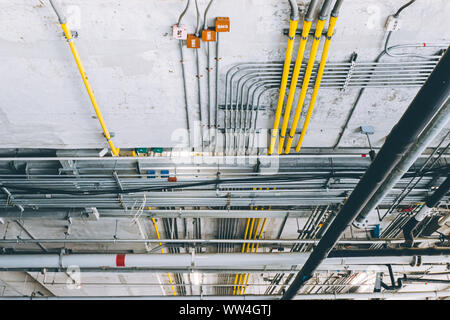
431,202
405,279
425,105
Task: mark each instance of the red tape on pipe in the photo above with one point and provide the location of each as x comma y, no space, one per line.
120,260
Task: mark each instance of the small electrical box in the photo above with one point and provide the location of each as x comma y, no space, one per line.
141,150
222,24
151,174
367,130
179,32
392,24
192,41
164,173
208,35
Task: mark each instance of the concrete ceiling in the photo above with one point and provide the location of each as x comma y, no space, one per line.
133,64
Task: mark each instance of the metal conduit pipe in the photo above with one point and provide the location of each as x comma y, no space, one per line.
183,73
208,68
433,94
222,260
252,270
226,127
360,93
285,242
323,61
240,103
278,71
73,48
323,296
190,159
401,74
436,125
293,86
275,80
312,57
186,103
199,76
293,23
217,93
431,202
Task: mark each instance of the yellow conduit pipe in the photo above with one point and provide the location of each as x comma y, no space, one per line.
323,62
295,75
256,233
256,248
162,251
73,48
245,276
315,46
287,65
242,251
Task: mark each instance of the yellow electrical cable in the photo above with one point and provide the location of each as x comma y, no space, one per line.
323,62
73,48
294,80
255,236
162,251
239,288
287,65
309,68
250,233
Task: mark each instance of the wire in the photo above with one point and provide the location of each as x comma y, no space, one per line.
184,12
205,26
403,8
198,18
388,49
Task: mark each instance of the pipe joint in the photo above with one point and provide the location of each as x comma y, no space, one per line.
294,10
336,8
311,9
325,11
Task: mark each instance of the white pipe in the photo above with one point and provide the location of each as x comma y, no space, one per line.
194,260
209,159
356,296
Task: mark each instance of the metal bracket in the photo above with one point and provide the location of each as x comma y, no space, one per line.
312,32
222,130
73,32
251,108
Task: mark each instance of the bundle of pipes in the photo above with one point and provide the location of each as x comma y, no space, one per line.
253,80
433,94
241,280
315,46
68,34
287,62
431,202
305,33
